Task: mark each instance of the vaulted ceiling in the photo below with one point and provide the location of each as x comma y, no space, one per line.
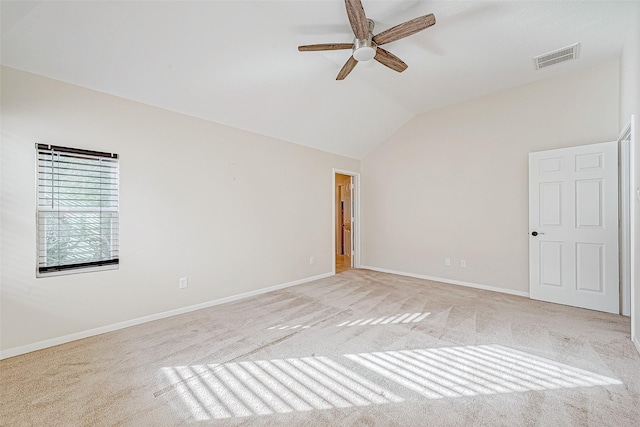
236,62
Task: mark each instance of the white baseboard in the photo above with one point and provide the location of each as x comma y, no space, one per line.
636,342
16,351
449,281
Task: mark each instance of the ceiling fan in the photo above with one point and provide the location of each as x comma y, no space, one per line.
365,45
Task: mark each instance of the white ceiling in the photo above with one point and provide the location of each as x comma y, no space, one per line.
236,62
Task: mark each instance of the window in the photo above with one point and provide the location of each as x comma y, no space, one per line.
77,210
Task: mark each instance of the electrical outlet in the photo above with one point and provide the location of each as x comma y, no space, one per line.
447,261
312,260
183,283
463,263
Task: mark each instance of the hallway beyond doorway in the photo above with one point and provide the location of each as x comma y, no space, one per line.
342,264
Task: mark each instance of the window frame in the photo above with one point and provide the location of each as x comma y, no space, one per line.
77,268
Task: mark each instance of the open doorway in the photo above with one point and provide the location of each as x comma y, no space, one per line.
345,204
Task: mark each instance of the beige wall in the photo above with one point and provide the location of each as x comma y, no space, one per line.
454,182
232,210
630,104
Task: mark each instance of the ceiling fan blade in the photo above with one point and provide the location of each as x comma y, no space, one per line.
357,18
346,68
405,29
325,46
390,60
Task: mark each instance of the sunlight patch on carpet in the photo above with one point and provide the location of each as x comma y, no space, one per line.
287,327
472,370
385,320
265,387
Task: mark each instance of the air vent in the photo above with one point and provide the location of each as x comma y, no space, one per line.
561,55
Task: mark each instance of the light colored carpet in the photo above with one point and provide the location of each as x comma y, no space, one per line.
359,348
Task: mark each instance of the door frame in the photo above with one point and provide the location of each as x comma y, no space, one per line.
355,225
634,198
626,213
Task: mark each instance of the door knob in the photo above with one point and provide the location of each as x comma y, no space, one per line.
535,233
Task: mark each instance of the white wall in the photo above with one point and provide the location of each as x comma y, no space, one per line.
630,104
232,210
454,182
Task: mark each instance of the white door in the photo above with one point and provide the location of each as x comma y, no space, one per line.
573,226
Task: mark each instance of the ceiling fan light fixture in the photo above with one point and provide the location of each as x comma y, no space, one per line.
364,50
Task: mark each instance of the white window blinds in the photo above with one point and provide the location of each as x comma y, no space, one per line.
77,209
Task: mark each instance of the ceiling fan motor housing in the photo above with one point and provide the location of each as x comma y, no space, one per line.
365,49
